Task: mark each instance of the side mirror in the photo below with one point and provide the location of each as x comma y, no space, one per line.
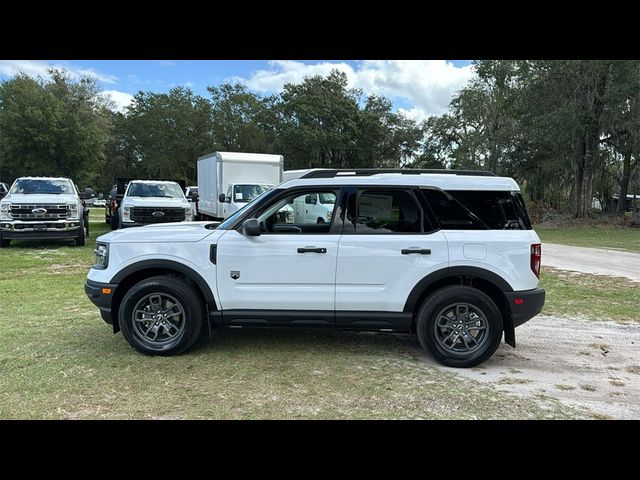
251,227
222,198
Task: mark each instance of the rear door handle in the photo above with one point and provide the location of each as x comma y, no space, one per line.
312,250
421,251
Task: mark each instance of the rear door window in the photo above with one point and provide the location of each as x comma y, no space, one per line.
386,212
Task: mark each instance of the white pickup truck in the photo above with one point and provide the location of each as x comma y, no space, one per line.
153,201
39,208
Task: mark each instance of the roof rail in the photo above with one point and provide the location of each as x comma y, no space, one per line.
359,172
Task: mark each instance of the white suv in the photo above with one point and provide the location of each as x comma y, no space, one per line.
449,255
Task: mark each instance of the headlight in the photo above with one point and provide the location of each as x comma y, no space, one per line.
4,210
102,256
126,214
73,210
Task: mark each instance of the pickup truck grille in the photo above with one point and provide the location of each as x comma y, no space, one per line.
146,214
39,212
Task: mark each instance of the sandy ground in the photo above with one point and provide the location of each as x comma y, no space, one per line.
585,364
598,261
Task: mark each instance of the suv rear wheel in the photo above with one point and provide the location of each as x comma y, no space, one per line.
461,326
161,315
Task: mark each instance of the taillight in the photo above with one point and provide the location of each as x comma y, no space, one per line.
536,258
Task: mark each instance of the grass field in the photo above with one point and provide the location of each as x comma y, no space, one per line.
627,239
58,359
595,297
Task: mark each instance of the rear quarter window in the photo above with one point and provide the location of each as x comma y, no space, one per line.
498,210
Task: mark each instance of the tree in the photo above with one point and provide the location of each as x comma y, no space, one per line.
53,127
164,133
243,121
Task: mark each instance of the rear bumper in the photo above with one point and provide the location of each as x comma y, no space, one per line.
103,301
525,305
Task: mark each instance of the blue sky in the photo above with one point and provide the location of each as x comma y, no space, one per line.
417,87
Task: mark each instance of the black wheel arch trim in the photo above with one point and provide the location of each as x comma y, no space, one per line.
460,271
169,265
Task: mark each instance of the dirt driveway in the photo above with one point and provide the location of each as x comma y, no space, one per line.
598,261
586,364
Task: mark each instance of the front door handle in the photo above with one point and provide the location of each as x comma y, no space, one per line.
421,251
312,250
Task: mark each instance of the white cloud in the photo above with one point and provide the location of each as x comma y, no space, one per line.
428,85
36,68
120,99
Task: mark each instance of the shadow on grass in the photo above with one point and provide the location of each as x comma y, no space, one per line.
265,341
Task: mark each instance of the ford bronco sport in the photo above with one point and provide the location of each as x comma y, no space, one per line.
449,255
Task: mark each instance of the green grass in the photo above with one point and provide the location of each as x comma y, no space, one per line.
596,297
627,239
58,359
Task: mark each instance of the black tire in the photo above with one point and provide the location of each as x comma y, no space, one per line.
320,220
81,239
483,319
107,217
86,225
191,320
4,243
115,224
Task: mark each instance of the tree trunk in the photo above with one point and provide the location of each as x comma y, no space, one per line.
576,194
592,137
624,183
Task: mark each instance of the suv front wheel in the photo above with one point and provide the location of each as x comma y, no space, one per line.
161,315
461,326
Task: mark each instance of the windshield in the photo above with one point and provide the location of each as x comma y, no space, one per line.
230,220
246,193
30,186
166,190
327,198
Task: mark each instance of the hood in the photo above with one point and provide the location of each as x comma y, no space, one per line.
162,233
155,202
39,198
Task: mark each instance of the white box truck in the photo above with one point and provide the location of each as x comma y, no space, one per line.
227,181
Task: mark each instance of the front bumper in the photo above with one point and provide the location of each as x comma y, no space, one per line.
95,292
21,230
525,304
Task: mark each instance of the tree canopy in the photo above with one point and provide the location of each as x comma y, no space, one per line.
567,131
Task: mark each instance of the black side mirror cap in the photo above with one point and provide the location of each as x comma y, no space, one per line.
222,198
251,227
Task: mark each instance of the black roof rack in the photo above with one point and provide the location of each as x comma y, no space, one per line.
363,172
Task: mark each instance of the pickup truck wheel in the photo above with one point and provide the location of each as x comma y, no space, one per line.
161,315
461,326
4,243
81,239
114,221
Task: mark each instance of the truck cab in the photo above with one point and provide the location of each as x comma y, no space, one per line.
239,195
